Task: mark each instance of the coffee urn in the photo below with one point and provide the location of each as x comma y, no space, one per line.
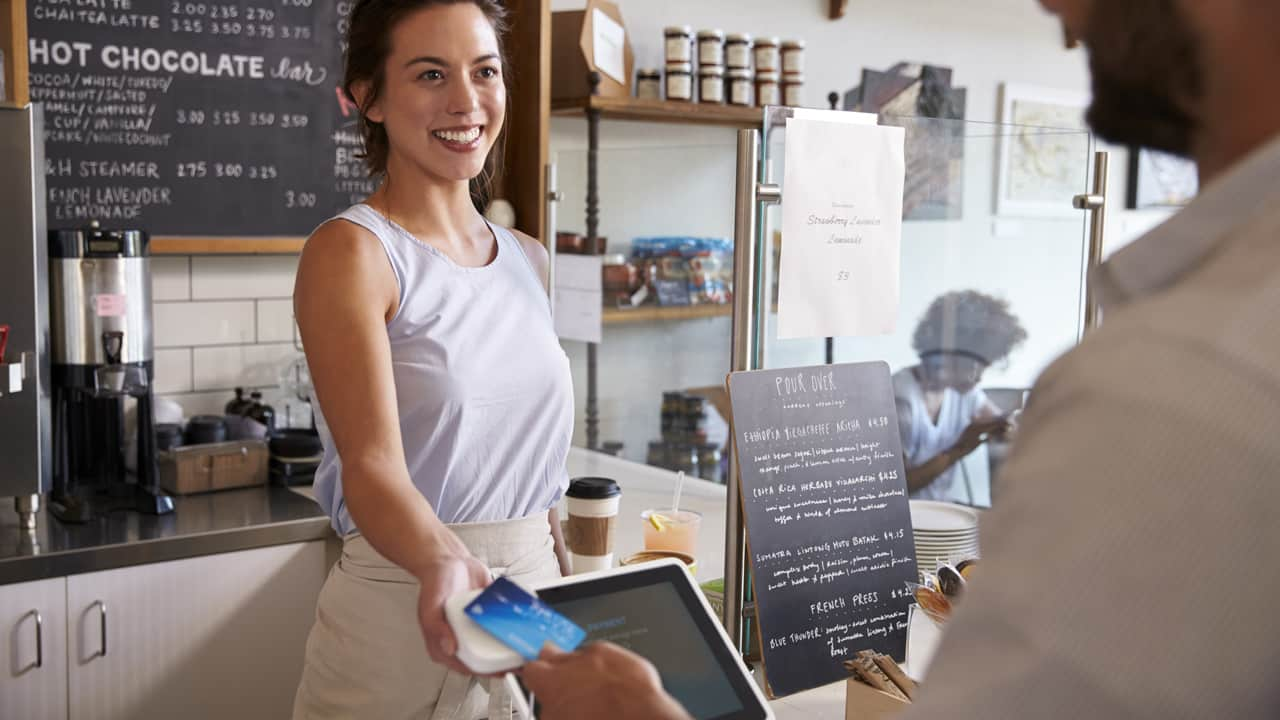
102,363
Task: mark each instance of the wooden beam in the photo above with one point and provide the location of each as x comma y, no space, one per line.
523,182
13,42
178,245
838,8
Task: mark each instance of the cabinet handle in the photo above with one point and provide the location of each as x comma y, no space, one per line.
39,663
102,610
39,639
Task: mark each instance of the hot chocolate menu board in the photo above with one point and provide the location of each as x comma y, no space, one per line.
828,521
195,118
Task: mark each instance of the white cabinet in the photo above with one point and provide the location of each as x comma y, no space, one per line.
217,636
33,669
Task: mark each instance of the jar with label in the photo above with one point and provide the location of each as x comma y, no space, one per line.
767,57
711,47
742,88
680,81
793,90
711,84
649,84
793,56
679,44
768,91
737,51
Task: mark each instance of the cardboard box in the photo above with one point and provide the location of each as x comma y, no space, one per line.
863,702
574,37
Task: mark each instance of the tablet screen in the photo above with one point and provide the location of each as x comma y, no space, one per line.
656,615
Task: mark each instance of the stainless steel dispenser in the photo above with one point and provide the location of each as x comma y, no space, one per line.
25,439
102,358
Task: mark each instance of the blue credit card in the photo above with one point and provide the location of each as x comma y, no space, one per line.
521,621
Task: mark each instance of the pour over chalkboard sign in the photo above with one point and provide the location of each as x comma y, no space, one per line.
195,118
828,521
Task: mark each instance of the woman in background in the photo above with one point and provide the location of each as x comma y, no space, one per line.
445,399
942,414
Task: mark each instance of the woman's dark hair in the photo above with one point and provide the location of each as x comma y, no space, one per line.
969,323
369,44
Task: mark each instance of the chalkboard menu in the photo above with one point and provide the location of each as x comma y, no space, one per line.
828,521
195,118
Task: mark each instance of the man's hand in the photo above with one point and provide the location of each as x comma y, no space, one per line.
599,681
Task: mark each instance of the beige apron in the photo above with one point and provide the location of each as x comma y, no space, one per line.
365,656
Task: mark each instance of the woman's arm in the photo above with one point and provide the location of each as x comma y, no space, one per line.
344,295
562,552
920,476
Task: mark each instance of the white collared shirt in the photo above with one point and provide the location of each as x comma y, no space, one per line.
1130,567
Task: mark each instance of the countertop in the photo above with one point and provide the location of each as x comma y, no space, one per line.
645,487
217,522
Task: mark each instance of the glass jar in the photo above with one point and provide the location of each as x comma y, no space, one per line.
768,92
711,84
672,413
709,457
737,51
767,57
793,90
680,81
742,88
657,455
620,278
649,84
684,458
793,56
679,44
711,47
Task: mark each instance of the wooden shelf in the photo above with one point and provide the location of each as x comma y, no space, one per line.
655,313
612,108
169,245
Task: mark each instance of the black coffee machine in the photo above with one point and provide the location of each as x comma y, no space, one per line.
102,360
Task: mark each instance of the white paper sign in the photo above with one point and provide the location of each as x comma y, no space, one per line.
610,43
841,229
579,297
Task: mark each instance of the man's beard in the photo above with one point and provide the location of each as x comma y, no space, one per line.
1147,77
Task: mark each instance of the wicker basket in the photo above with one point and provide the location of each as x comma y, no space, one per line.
215,466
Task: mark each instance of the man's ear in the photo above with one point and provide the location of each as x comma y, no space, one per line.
360,92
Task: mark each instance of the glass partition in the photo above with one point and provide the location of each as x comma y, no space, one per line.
988,213
992,282
666,211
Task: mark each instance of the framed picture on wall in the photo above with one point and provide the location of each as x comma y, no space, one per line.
1044,151
1160,180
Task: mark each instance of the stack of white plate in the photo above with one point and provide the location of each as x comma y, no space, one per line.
944,532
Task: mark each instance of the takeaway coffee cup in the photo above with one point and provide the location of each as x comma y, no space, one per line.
593,513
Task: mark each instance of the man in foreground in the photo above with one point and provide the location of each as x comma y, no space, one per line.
1128,571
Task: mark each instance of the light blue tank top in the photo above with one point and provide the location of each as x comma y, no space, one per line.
483,387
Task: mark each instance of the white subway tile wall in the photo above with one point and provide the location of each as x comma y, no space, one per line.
170,278
230,366
173,371
223,322
229,277
275,321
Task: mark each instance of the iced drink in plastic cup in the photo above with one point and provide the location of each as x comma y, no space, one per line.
670,530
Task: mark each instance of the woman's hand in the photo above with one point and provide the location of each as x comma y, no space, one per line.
450,573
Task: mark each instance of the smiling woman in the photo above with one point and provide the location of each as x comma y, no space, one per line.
445,400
